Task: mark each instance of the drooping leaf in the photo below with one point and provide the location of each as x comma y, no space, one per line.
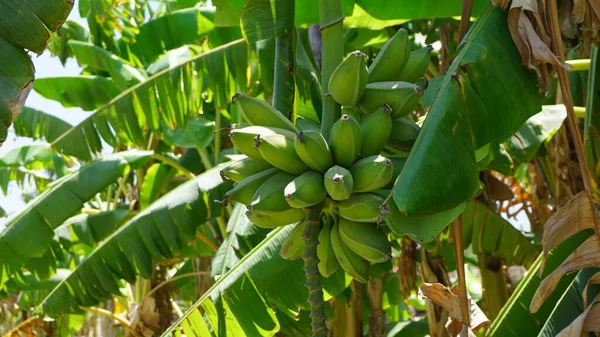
199,132
160,231
37,124
469,112
29,233
265,19
86,92
26,154
253,285
90,229
70,31
226,257
169,97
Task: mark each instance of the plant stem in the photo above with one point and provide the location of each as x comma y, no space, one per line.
460,270
579,65
312,226
563,80
15,331
173,163
218,123
284,85
332,30
579,111
465,17
112,315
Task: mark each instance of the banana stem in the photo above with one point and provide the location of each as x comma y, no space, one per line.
284,86
332,30
312,223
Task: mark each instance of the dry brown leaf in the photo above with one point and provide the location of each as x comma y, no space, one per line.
586,255
576,327
449,300
595,279
578,214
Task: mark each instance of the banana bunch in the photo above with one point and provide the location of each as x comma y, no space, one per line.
289,168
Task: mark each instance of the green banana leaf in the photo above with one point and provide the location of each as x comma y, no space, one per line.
488,233
25,24
515,320
29,234
470,111
25,155
84,91
121,71
70,31
167,98
539,129
37,124
260,283
160,231
155,181
591,137
89,229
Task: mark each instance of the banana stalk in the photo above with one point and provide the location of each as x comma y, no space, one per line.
312,223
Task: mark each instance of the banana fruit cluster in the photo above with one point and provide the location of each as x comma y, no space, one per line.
286,170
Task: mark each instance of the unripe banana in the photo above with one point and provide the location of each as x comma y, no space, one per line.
353,112
352,263
349,79
328,263
404,134
269,197
278,149
392,216
275,219
314,151
402,97
293,247
244,139
416,66
338,183
423,82
366,239
361,207
306,190
375,131
371,173
345,141
241,169
245,190
391,59
305,124
259,112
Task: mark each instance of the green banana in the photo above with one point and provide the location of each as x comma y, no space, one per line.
278,149
245,190
305,124
423,82
361,207
269,197
244,139
404,134
243,168
371,173
328,263
391,59
275,219
402,97
338,183
293,247
352,263
312,148
352,112
345,141
392,216
416,66
366,239
259,112
375,131
305,190
349,79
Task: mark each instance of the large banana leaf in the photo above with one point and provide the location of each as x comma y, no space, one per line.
25,155
89,229
471,110
24,24
86,92
591,135
168,98
158,232
37,124
515,319
260,283
29,234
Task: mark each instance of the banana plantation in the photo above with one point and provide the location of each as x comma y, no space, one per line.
345,168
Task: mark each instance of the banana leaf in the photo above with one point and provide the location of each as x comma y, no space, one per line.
168,98
160,231
70,31
86,92
89,229
29,234
591,137
470,110
260,283
26,25
25,155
